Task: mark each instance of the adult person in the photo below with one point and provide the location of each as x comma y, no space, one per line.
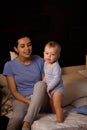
24,75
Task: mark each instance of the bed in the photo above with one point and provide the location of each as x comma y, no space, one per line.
75,83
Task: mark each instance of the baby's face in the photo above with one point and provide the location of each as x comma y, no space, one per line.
51,54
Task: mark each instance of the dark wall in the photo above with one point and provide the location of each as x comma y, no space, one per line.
43,21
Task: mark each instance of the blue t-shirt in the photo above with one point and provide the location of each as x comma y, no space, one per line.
25,75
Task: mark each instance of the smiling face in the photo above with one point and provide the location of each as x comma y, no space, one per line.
51,53
24,47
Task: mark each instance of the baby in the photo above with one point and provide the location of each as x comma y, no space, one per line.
53,77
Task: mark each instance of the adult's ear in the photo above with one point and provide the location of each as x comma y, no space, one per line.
15,49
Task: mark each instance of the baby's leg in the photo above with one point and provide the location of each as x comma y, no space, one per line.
52,109
57,101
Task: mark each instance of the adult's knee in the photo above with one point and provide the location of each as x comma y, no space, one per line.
40,85
39,90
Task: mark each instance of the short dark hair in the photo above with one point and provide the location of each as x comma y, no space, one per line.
19,36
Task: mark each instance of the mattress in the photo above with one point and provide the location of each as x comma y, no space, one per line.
72,121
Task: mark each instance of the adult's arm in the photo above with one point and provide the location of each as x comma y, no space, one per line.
15,93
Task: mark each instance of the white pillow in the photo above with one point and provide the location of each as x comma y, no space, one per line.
12,55
80,102
74,91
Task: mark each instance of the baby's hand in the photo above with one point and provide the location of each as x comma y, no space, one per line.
44,80
48,90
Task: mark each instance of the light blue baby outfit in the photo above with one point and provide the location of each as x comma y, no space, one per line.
53,77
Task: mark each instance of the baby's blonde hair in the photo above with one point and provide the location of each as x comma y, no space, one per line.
54,44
